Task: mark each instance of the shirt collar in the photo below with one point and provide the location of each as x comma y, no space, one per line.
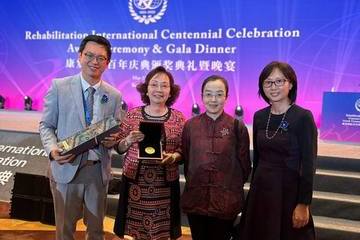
85,85
221,116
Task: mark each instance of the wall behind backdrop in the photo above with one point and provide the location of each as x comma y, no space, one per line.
193,39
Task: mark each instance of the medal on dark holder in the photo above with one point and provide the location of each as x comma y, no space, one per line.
150,147
150,150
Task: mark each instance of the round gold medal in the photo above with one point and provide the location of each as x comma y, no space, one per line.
150,150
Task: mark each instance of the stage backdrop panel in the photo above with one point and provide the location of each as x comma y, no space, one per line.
19,152
341,117
39,40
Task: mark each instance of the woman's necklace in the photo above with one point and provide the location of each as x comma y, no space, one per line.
281,123
150,113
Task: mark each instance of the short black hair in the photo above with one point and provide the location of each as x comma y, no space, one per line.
99,40
286,70
174,88
214,78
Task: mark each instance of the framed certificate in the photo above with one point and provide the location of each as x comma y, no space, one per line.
88,138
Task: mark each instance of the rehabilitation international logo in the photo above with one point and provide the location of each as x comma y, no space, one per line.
357,105
147,11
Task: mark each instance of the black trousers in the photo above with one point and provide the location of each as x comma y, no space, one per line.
209,228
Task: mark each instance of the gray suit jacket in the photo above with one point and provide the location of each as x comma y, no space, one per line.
63,115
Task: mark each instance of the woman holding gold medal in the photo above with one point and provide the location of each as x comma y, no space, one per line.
150,190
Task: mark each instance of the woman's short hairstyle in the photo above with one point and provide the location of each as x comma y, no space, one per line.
286,70
214,78
143,87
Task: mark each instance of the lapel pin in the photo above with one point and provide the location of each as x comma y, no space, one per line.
104,99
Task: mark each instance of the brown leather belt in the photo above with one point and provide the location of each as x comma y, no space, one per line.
92,163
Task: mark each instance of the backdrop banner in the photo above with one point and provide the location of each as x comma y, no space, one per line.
39,41
341,117
19,152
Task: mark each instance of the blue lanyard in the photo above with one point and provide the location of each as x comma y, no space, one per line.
87,114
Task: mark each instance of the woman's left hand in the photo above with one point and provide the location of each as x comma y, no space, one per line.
170,158
300,215
111,140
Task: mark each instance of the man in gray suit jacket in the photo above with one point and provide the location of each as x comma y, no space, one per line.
79,183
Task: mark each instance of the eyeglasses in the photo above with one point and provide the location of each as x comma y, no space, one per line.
161,86
276,82
90,56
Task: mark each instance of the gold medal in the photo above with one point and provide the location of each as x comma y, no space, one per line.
150,150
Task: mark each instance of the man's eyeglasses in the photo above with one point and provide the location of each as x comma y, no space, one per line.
90,56
276,82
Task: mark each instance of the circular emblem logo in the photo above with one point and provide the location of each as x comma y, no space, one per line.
147,4
357,105
150,150
147,11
